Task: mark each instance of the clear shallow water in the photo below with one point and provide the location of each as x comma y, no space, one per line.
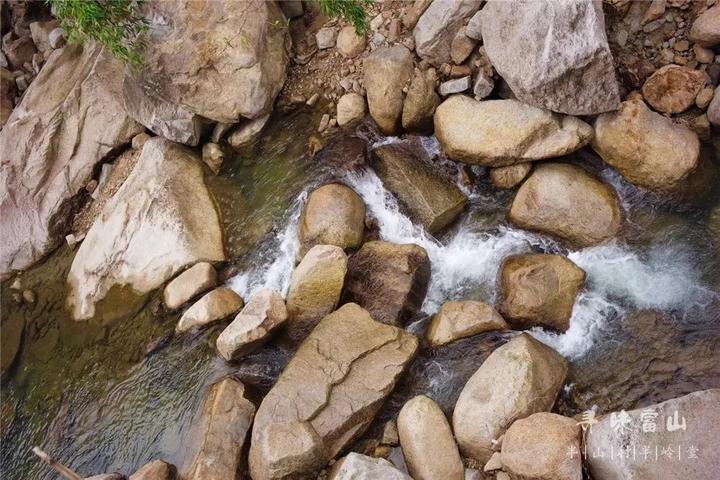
647,328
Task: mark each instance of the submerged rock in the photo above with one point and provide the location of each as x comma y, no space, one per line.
386,71
388,279
213,307
158,222
457,320
648,149
155,470
518,379
222,432
197,279
672,88
328,393
563,200
355,466
436,28
429,198
688,425
505,132
539,289
543,445
553,55
263,313
68,120
427,441
511,175
334,215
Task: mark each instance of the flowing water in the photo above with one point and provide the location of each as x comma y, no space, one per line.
111,397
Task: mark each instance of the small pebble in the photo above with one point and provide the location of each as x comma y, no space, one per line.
28,296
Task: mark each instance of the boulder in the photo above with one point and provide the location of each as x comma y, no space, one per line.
222,432
427,442
349,43
197,279
518,379
155,470
420,102
50,150
57,38
429,198
196,49
356,466
553,55
388,279
263,313
334,215
496,133
213,307
412,14
436,28
460,319
328,393
539,289
247,133
542,446
325,37
705,29
565,201
351,109
387,70
510,176
160,220
40,33
647,148
8,90
315,287
18,51
686,429
672,88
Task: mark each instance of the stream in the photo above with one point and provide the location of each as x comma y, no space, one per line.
110,397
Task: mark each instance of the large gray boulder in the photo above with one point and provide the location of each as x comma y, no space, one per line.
328,393
686,433
161,220
518,379
429,198
220,60
553,55
386,71
437,27
69,119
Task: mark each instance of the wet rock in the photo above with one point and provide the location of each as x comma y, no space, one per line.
325,37
387,70
429,198
690,423
437,27
427,441
518,379
713,111
510,176
355,466
223,431
474,27
461,319
40,33
541,446
521,35
504,132
456,85
213,307
351,109
564,201
349,43
56,38
19,51
315,288
213,156
461,46
483,86
388,279
68,121
161,220
539,289
334,215
155,470
187,65
247,133
263,313
328,394
706,27
672,89
197,279
647,148
420,102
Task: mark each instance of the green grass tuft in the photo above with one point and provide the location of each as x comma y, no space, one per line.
354,11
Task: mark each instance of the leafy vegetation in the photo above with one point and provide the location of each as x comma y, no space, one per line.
351,10
116,24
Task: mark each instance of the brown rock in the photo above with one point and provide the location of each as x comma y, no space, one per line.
461,46
672,89
349,43
40,33
197,279
510,176
703,54
351,109
713,111
704,98
457,320
155,470
19,51
706,28
213,307
388,279
420,102
437,27
8,90
387,70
